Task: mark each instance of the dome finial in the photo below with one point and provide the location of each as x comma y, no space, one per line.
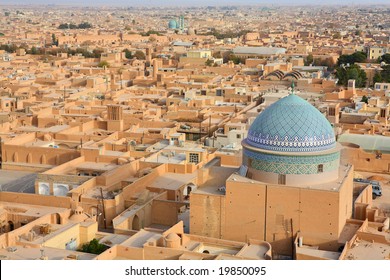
292,87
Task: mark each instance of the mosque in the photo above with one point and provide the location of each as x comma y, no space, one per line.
177,24
290,182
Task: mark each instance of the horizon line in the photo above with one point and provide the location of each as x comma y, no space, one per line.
192,5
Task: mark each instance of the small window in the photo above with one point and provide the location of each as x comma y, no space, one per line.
194,158
320,168
238,136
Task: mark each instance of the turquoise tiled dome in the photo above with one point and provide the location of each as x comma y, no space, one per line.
291,125
172,24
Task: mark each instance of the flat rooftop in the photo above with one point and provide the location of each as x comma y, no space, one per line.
216,179
22,253
172,181
140,238
366,250
85,166
113,239
29,210
167,158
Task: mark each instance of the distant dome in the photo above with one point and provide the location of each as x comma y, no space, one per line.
172,24
291,125
79,215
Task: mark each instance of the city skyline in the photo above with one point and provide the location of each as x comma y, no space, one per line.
188,3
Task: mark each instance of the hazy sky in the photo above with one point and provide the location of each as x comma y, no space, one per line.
191,2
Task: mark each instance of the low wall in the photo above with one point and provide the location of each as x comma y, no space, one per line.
36,199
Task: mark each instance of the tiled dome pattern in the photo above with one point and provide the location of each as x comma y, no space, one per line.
291,125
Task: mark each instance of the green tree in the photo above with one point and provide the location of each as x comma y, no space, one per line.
103,64
352,72
63,26
364,99
94,247
385,74
34,50
9,48
226,56
227,34
385,58
308,60
353,58
208,62
54,39
139,55
120,72
97,53
84,25
150,32
337,35
128,53
235,59
377,78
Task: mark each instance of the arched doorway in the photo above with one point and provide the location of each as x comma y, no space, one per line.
135,225
188,189
11,226
58,219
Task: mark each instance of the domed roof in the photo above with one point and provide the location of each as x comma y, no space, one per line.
79,215
291,125
172,24
172,237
